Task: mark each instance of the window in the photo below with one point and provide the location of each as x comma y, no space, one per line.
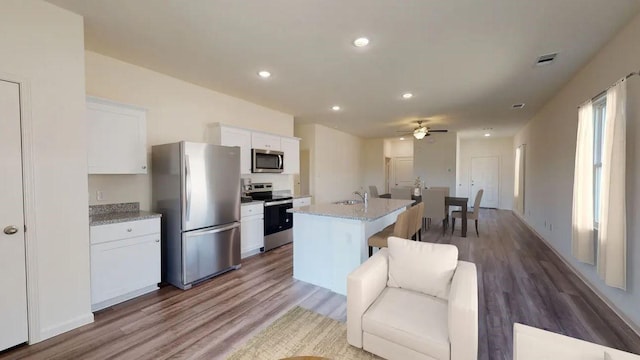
599,114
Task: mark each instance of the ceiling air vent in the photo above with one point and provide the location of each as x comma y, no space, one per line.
517,106
546,59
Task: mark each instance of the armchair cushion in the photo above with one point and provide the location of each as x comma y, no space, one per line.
423,267
410,319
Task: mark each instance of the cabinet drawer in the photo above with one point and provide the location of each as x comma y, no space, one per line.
120,267
253,209
302,202
130,229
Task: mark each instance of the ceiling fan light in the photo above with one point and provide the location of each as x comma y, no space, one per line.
420,133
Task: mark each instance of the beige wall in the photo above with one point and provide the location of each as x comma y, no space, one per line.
373,164
43,46
434,160
335,162
500,147
551,139
176,110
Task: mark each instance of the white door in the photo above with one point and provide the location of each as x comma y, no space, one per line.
485,174
403,171
13,282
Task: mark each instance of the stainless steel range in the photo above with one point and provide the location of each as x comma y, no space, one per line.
278,223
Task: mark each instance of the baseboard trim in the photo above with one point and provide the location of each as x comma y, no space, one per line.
52,331
586,281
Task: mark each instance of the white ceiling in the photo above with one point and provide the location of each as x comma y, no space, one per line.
466,61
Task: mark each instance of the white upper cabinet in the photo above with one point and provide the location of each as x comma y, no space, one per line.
230,136
265,141
117,138
291,149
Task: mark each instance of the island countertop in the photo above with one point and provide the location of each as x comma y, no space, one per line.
376,209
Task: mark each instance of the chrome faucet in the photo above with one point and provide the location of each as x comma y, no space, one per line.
364,197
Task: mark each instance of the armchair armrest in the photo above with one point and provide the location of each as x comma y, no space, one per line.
364,285
463,312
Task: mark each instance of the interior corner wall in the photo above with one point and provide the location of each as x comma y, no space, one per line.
176,110
550,137
434,160
43,46
335,165
485,147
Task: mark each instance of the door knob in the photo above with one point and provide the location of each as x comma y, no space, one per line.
10,230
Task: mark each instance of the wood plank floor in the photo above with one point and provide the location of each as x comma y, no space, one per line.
520,280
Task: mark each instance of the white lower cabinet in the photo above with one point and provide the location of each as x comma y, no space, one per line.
125,261
251,229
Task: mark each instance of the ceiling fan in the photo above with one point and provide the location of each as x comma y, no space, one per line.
421,131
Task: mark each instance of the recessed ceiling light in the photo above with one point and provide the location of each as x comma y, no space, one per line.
361,42
335,108
487,134
264,74
407,95
401,138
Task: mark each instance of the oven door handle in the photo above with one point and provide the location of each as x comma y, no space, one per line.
281,202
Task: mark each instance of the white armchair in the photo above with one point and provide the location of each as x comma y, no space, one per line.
390,320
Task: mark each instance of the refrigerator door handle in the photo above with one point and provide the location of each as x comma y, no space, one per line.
187,172
212,231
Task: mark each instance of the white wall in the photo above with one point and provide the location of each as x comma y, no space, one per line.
434,160
176,110
335,164
551,139
399,148
500,147
43,46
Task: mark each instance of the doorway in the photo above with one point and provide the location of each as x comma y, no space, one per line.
13,282
485,174
403,171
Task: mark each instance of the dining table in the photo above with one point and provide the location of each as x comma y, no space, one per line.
458,201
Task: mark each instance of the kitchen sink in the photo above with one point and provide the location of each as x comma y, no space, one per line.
348,202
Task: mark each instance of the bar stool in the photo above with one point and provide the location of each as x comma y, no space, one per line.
399,229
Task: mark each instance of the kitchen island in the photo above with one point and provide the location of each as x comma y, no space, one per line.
330,240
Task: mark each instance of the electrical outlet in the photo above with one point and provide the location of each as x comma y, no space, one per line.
99,195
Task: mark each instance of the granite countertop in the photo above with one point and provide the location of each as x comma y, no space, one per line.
252,202
117,213
376,209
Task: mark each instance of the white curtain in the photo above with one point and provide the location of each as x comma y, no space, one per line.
582,239
612,232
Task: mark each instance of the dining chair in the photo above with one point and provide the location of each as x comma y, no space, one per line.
399,229
401,193
434,206
446,189
471,215
373,191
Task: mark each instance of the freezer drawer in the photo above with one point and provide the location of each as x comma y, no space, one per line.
210,251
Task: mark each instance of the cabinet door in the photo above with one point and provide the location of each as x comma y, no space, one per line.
265,141
291,150
251,234
122,266
241,138
117,138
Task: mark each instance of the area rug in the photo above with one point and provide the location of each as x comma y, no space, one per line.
301,332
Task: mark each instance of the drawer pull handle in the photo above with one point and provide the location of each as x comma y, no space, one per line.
129,230
157,240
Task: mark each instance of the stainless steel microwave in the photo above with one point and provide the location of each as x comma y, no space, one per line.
266,161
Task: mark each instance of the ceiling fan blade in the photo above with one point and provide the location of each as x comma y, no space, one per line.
441,131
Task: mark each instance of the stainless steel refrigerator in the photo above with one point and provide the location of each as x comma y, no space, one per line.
196,187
